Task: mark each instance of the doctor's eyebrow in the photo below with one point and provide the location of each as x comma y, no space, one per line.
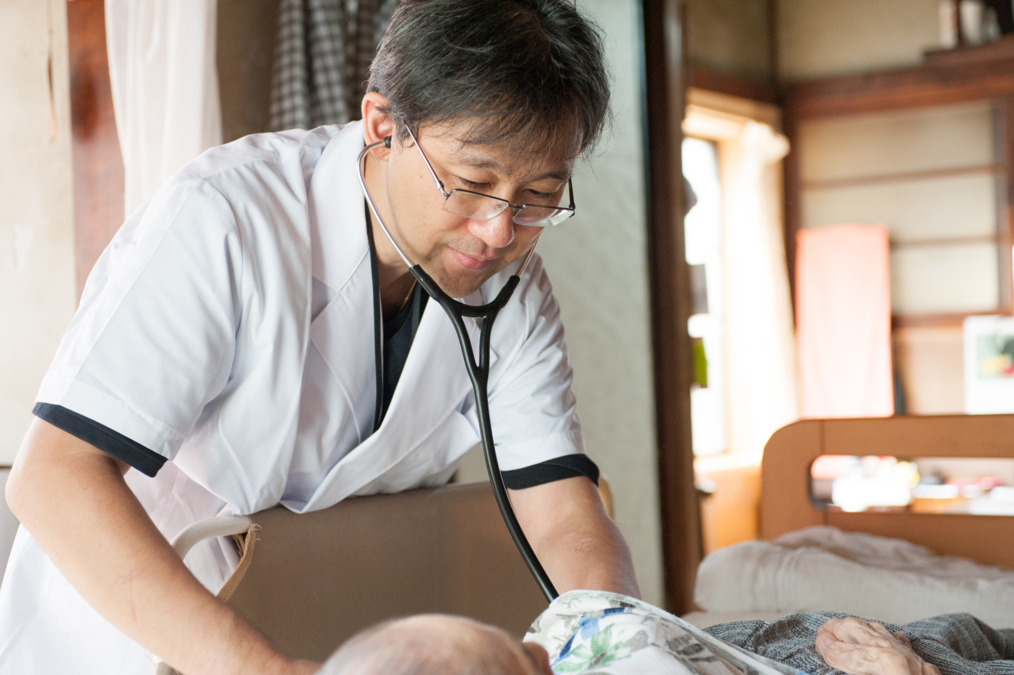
477,160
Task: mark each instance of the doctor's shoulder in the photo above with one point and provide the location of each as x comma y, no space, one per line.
258,181
242,201
292,153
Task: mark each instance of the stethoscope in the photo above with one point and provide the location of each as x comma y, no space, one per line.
478,372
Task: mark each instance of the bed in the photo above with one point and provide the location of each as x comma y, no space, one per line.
891,564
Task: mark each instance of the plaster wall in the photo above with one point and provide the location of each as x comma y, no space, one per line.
731,36
37,295
817,38
599,268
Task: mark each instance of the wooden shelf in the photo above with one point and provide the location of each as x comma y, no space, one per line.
903,177
1001,49
966,74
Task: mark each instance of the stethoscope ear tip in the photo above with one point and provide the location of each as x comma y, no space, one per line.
387,141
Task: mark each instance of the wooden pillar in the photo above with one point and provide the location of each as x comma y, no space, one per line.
665,86
98,165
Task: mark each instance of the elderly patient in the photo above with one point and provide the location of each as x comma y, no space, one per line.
611,634
435,644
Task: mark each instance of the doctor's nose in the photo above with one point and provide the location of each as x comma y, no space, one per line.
497,232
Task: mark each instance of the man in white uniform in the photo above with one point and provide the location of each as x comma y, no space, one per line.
251,337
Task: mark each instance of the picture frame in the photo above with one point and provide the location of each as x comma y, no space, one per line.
988,345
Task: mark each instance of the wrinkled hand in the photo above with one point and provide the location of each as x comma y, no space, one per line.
860,647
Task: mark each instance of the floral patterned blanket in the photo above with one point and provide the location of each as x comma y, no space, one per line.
600,633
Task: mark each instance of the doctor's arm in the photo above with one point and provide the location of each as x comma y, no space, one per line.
574,538
73,499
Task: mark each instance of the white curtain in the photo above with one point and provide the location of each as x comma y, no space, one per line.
759,337
164,86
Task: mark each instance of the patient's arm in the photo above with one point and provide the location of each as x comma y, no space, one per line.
577,543
860,647
73,499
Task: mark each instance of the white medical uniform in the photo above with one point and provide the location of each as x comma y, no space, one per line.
228,328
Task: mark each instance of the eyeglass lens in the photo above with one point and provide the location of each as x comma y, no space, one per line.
483,207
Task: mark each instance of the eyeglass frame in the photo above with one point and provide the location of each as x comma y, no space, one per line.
568,211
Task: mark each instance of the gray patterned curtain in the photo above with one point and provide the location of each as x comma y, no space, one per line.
322,59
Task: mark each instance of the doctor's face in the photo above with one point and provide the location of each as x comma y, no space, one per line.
462,253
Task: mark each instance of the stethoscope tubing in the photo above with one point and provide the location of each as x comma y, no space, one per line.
478,374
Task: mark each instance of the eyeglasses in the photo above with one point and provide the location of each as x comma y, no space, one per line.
478,206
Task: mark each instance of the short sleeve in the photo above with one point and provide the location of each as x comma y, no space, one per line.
154,337
552,470
109,441
532,406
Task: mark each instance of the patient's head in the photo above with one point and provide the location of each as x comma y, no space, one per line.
436,644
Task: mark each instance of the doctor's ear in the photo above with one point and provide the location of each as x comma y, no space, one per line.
378,125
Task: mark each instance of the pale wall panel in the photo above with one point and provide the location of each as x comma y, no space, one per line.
37,294
731,36
942,137
930,280
913,210
819,38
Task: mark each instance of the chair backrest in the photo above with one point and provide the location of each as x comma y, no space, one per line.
310,581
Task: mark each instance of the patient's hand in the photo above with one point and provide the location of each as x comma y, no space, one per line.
860,647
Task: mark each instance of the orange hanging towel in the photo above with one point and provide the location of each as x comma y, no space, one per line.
843,321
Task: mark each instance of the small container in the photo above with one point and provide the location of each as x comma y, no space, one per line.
972,25
948,16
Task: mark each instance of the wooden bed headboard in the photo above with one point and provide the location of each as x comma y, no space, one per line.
786,504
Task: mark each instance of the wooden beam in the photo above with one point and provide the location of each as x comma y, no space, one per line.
709,79
97,164
965,75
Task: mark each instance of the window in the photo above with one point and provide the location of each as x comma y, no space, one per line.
703,231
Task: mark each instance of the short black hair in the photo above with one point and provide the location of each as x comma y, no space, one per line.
515,70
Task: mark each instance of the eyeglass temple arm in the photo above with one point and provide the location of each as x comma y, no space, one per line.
429,167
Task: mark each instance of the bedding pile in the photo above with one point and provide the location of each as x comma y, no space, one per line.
825,569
